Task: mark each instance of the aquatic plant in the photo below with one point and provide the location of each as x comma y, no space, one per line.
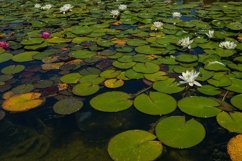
37,5
122,7
185,42
45,35
176,14
4,44
114,13
46,7
227,45
210,34
234,147
65,8
189,77
157,25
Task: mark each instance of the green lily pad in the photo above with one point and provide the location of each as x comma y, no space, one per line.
120,101
25,56
131,74
236,85
32,41
134,145
110,73
186,58
114,83
67,106
199,106
81,30
5,57
13,69
125,65
230,121
168,86
37,47
215,66
160,75
235,26
224,52
125,59
155,103
219,80
136,42
93,79
71,78
237,101
204,75
24,88
209,90
146,67
90,71
58,40
85,89
148,50
176,132
82,54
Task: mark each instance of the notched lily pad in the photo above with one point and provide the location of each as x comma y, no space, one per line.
67,106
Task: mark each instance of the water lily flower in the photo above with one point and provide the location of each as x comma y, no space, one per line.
37,5
4,44
45,35
227,45
176,14
185,42
189,77
210,34
122,7
157,25
65,8
115,13
46,7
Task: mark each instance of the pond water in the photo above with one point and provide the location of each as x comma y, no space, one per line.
94,80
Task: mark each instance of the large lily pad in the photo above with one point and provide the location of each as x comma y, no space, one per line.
120,101
82,54
22,102
146,67
237,101
67,106
71,78
5,57
13,69
25,56
168,86
85,89
176,132
155,103
230,121
199,106
134,145
236,85
209,90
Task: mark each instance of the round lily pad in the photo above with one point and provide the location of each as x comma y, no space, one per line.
236,85
209,90
125,65
134,145
148,50
22,102
113,83
110,73
82,54
85,89
111,101
176,132
32,41
186,58
71,78
199,106
168,86
13,69
25,56
5,57
24,88
237,101
155,103
67,106
146,67
230,121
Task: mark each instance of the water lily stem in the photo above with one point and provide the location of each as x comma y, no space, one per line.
225,95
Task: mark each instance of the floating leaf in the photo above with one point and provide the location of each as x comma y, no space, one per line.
24,88
122,65
186,58
237,101
22,102
155,103
58,40
160,75
209,90
85,89
25,56
67,106
134,145
82,54
114,83
13,69
32,41
146,67
110,73
234,147
71,78
5,57
230,121
236,85
199,106
168,86
176,132
119,102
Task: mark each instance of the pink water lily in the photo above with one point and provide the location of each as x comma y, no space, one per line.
45,35
4,44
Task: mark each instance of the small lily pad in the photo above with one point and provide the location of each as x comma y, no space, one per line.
146,67
82,54
25,56
13,69
230,121
71,78
5,57
67,106
186,58
237,101
24,88
134,145
209,90
114,83
155,103
176,132
85,89
120,101
199,106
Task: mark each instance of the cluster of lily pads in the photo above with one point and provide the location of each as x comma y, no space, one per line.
92,55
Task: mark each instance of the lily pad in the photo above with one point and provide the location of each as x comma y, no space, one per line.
199,106
160,75
236,85
58,40
134,145
85,89
71,78
148,50
230,121
146,67
186,58
120,101
24,88
13,69
122,65
176,132
168,86
82,54
114,83
25,56
67,106
209,90
237,101
32,41
155,103
22,102
5,57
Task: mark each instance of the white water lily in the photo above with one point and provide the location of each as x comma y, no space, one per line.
176,14
65,8
37,5
227,45
122,7
115,13
46,7
185,42
189,77
210,34
157,25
